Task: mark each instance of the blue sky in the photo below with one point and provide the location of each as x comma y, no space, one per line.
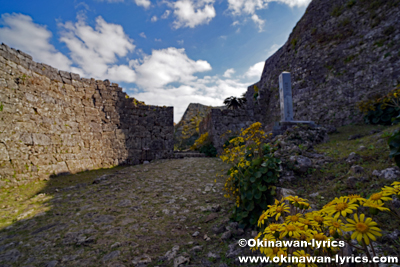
166,52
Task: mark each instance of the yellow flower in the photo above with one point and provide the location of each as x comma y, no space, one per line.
388,191
275,251
262,218
363,229
306,236
316,216
319,236
308,223
279,210
304,205
340,206
306,256
356,197
293,218
295,199
374,205
292,230
335,225
272,228
379,198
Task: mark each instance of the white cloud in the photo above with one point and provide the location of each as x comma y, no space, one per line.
259,22
166,14
180,42
143,3
228,73
96,50
154,18
157,40
142,35
121,73
19,31
112,1
249,7
255,70
207,91
223,37
238,7
191,13
293,3
166,66
273,49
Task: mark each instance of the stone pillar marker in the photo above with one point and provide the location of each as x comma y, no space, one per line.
286,101
285,96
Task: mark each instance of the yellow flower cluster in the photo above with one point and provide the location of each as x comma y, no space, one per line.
288,220
235,153
202,140
389,100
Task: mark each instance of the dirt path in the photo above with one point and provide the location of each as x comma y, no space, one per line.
157,214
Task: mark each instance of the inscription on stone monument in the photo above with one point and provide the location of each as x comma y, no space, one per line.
285,96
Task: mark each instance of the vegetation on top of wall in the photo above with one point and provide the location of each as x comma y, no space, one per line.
233,102
256,92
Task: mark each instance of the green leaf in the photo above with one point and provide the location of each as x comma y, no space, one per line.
249,195
258,174
250,206
253,179
269,173
258,195
263,170
262,188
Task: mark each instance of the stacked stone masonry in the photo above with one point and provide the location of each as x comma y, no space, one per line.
339,53
54,122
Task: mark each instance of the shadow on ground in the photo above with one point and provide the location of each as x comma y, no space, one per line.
117,217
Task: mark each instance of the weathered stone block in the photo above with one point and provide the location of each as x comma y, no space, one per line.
91,111
41,139
26,138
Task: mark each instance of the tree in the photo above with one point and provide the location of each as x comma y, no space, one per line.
234,102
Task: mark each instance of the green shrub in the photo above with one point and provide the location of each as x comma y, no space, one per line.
209,150
383,110
253,175
257,187
204,145
394,144
381,116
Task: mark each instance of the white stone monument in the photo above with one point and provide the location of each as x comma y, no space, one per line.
285,96
286,102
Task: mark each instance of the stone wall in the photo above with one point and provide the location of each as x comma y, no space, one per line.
339,53
54,122
218,122
186,131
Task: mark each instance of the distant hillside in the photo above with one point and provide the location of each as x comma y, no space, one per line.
186,130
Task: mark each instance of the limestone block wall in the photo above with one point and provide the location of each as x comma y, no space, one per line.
339,53
54,122
218,122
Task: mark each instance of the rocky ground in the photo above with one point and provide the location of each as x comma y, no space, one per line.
164,213
172,212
